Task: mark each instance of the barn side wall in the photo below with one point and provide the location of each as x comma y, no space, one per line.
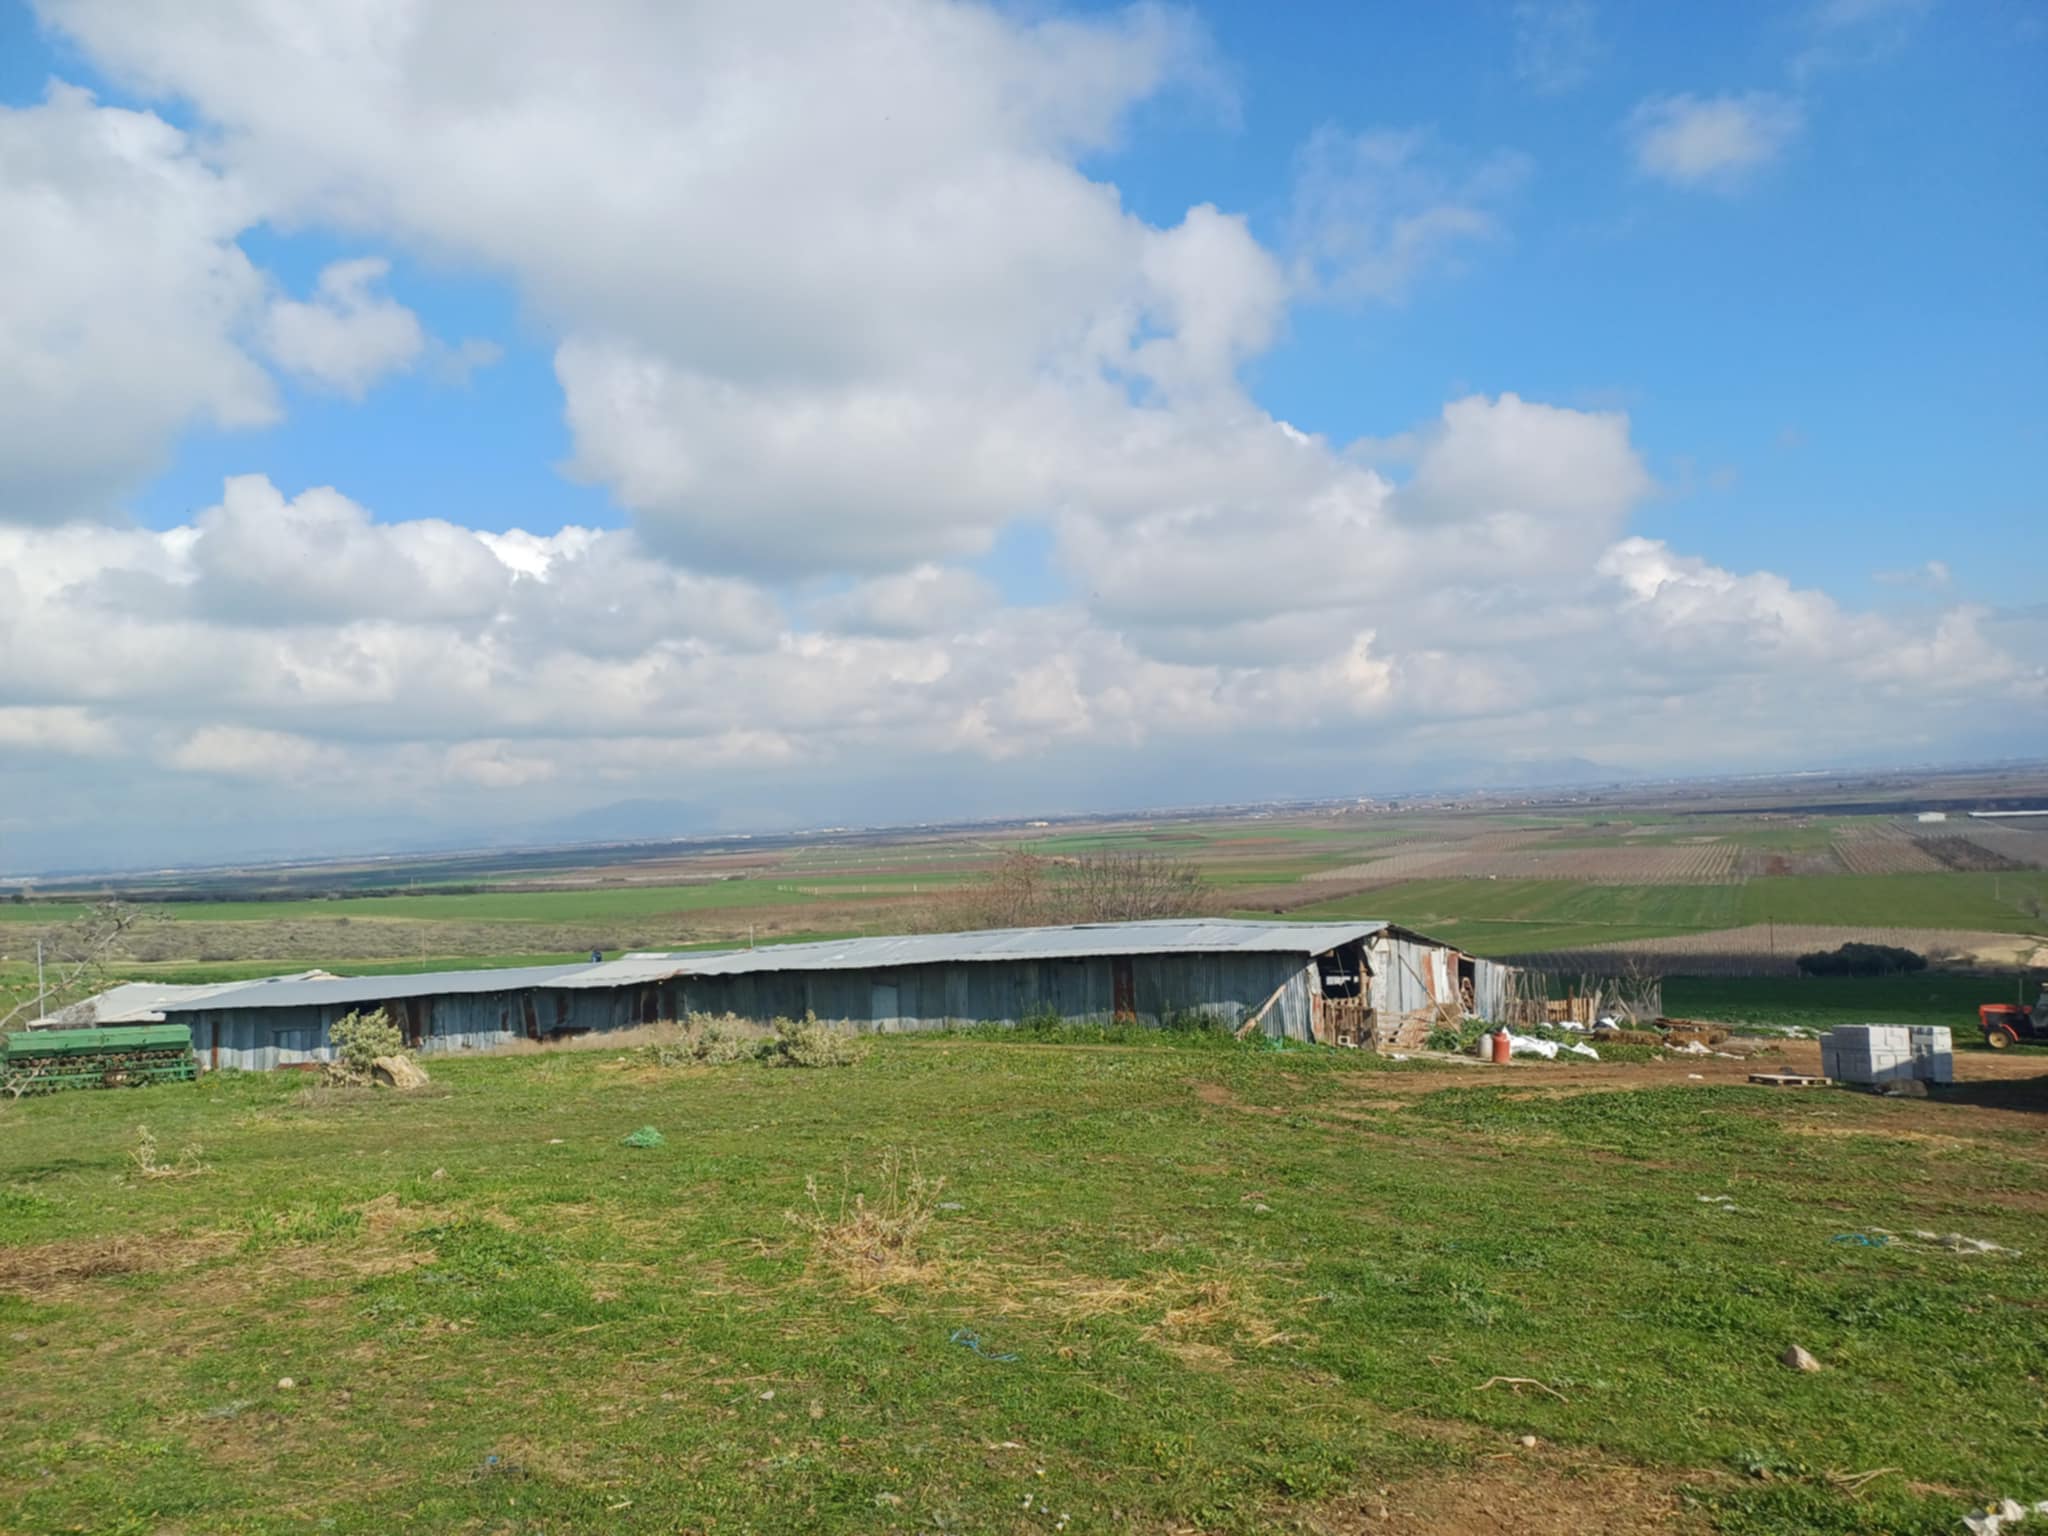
917,997
924,997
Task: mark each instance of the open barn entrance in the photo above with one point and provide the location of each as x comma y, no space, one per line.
1340,1011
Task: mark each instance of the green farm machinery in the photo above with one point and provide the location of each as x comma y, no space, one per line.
115,1056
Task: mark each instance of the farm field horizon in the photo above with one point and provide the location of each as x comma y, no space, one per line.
1703,888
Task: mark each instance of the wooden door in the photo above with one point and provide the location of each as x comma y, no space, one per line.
1123,987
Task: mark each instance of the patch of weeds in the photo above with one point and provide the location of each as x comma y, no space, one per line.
807,1043
485,1277
1453,1042
1794,1506
645,1138
717,1041
1174,1020
711,1039
274,1228
20,1209
872,1242
1192,1030
148,1160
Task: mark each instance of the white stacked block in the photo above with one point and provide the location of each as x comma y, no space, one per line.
1934,1059
1867,1053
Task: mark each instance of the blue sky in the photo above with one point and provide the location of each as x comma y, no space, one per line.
1743,304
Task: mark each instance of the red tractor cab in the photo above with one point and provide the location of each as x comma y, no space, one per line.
2007,1024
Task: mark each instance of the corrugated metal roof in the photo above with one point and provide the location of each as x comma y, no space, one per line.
1079,942
140,1002
350,991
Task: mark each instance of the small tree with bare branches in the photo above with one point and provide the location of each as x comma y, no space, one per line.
1027,890
76,956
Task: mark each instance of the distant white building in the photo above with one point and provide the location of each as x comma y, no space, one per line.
1934,816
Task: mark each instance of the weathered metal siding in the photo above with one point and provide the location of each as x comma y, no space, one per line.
1404,976
1230,986
258,1039
916,997
1413,976
1490,986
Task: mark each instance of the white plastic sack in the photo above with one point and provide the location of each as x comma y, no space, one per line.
1583,1050
1529,1045
2005,1512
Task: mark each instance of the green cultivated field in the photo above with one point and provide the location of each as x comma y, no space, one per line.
1163,1288
1507,916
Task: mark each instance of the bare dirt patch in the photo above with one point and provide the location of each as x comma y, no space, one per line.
1539,1492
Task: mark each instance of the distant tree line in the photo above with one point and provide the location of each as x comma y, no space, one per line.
1862,960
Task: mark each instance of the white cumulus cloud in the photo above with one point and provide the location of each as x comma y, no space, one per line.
126,307
1714,141
348,335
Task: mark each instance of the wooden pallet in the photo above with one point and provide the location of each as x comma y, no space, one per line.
1787,1080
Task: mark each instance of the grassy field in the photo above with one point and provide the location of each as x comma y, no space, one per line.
1822,1002
1162,1288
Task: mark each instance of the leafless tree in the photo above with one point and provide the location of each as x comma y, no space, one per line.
1117,886
75,959
1010,894
1027,890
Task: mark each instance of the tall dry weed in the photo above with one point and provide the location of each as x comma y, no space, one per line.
873,1240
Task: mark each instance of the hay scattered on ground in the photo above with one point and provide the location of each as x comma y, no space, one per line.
37,1269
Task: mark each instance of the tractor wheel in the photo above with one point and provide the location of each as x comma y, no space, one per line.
1998,1038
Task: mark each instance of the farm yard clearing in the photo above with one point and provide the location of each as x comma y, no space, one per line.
1199,1283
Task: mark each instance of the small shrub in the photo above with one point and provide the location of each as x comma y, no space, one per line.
807,1043
359,1039
717,1039
710,1039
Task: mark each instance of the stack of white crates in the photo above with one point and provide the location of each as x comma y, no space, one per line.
1887,1053
1934,1056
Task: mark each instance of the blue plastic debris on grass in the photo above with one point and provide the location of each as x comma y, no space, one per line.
968,1339
1862,1239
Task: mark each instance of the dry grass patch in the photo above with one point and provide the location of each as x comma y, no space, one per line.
39,1269
1192,1315
873,1242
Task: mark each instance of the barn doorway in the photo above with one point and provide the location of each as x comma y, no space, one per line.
1123,990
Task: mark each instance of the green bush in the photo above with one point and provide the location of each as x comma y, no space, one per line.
807,1043
723,1038
359,1039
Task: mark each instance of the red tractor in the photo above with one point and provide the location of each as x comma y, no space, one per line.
2007,1024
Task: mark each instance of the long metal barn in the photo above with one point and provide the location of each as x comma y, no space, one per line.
1361,983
